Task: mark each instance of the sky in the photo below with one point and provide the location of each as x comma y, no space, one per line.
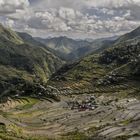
72,18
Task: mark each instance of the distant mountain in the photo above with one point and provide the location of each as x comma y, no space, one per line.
64,47
24,60
29,39
71,50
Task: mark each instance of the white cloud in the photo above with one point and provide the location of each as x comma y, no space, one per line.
67,13
10,6
66,17
9,23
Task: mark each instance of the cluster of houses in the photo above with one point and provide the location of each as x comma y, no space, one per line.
111,78
88,104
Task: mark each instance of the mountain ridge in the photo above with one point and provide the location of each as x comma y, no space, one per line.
72,50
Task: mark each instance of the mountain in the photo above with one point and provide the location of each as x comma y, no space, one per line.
64,46
24,61
23,58
120,63
131,35
71,50
10,35
29,39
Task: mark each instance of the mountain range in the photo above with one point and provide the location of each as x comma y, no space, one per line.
24,57
71,50
112,64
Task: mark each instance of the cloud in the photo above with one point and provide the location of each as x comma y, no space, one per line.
10,6
79,4
112,3
52,20
56,4
80,18
9,22
67,13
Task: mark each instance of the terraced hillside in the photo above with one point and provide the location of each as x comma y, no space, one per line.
118,64
114,118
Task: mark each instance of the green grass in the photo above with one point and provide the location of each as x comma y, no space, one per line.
126,122
29,104
75,136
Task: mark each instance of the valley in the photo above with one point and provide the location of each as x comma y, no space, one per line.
46,98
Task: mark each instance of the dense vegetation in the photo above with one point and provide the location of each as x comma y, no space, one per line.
26,61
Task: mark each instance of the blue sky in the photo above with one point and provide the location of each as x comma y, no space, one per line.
73,18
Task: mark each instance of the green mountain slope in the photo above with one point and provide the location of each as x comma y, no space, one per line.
9,35
135,33
24,61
